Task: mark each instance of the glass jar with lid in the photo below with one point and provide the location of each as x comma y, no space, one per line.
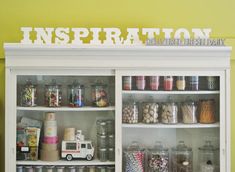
103,154
189,111
71,169
140,82
50,168
212,83
102,127
208,158
182,158
99,94
102,141
168,83
53,94
134,158
169,112
81,168
101,169
111,141
19,168
158,158
194,83
180,83
28,169
60,169
154,82
76,95
111,154
29,94
150,112
127,82
90,168
130,112
110,126
110,169
207,111
39,168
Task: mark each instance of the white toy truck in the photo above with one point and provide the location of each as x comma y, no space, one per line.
77,149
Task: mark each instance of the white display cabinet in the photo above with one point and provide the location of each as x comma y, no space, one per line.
87,64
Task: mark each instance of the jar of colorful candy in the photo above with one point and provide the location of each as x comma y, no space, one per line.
76,95
99,95
29,94
53,95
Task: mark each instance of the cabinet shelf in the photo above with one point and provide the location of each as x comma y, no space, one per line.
169,92
66,163
180,125
86,108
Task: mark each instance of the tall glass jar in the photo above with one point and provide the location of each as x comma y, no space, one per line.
140,82
150,112
169,112
194,83
130,112
127,82
99,95
189,112
134,158
158,158
29,94
154,82
76,95
53,95
168,83
207,111
182,158
208,158
180,83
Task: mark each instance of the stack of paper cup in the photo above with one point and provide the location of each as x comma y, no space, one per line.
49,151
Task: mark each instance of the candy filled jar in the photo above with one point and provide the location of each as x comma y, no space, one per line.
76,95
168,83
99,95
169,112
29,94
150,112
130,112
182,158
158,158
208,158
207,111
53,95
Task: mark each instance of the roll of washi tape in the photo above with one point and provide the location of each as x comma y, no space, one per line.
49,147
69,134
50,116
52,155
50,140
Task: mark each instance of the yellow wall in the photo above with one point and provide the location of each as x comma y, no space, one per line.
216,14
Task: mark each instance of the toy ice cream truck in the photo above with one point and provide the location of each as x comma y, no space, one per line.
75,146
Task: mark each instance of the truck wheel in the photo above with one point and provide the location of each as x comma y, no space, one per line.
69,157
89,157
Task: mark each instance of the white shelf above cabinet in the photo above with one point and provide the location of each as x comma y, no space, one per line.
66,163
86,108
179,125
169,92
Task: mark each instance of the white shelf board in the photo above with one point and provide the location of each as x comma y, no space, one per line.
179,125
73,109
169,92
66,163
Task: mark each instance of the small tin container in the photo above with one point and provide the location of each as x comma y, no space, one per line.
180,83
19,168
194,83
81,168
140,82
111,154
60,169
154,82
168,83
127,83
103,156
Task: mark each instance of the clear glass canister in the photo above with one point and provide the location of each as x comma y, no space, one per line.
110,126
39,168
102,127
111,154
99,95
194,83
189,112
81,169
101,169
134,158
150,112
127,83
76,95
90,168
29,94
208,158
169,112
168,83
207,111
60,169
212,83
103,154
111,141
102,141
28,169
180,83
50,168
182,158
19,168
71,169
158,158
53,95
140,82
110,169
130,112
154,82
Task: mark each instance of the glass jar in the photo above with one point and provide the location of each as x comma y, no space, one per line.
154,82
111,141
19,168
194,83
168,83
29,94
102,127
169,112
134,158
76,95
111,154
28,169
38,168
103,156
140,82
110,169
208,158
101,169
130,113
53,95
182,158
60,169
180,83
71,169
99,95
150,112
207,111
90,168
50,168
158,158
81,169
102,141
189,112
212,83
110,127
127,83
